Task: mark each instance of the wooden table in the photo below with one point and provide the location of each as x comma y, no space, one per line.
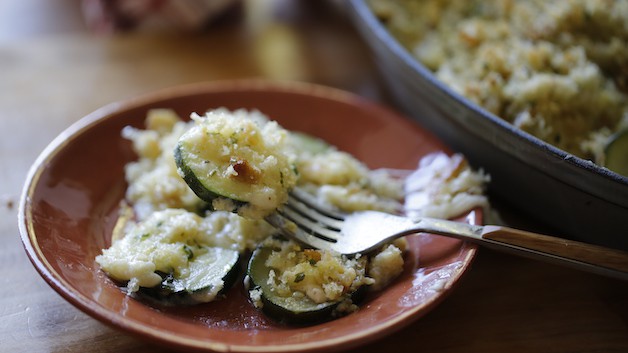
54,71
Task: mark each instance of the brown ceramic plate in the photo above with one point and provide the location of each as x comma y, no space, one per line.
71,197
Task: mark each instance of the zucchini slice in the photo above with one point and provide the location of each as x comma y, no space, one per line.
209,274
616,153
296,308
169,257
205,183
236,163
304,142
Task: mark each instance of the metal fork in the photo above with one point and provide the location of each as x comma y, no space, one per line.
304,219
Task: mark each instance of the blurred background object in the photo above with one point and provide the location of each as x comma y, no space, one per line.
123,15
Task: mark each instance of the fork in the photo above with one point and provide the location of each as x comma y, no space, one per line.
304,219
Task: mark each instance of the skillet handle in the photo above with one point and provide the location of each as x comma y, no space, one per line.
579,255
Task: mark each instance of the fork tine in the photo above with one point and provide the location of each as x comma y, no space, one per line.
312,203
292,230
314,214
310,226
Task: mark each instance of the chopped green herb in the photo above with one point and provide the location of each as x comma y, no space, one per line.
233,138
188,251
299,277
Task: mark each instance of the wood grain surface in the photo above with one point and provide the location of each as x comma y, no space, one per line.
55,70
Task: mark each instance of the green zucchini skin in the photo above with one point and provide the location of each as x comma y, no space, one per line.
308,143
171,292
616,153
291,311
195,183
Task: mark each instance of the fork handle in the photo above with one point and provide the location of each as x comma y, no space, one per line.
581,255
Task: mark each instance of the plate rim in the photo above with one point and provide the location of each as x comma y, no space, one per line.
138,329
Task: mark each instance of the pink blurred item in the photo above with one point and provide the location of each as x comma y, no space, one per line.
107,16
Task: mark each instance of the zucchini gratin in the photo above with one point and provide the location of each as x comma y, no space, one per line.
557,70
194,210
